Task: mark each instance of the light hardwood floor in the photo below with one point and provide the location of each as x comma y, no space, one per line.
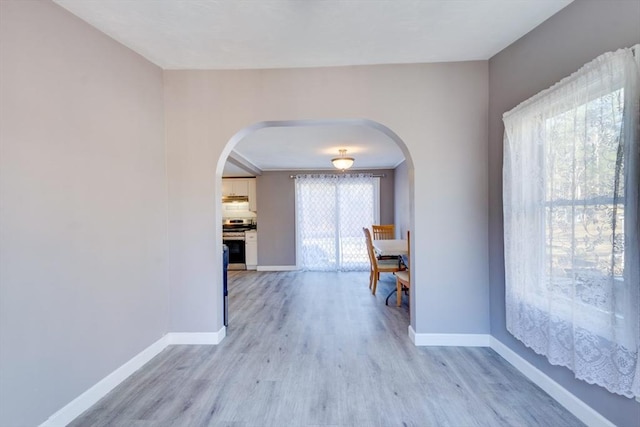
317,349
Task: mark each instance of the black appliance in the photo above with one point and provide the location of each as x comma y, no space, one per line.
235,243
225,292
233,236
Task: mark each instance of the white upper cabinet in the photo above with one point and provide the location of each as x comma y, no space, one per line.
236,187
241,187
253,203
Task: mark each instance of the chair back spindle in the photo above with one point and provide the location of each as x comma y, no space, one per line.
384,232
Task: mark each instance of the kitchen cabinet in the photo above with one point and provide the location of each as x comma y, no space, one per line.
241,187
251,249
253,202
235,187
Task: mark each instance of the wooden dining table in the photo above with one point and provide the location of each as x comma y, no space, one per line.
391,247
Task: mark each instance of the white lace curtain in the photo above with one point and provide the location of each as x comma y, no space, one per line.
570,180
330,213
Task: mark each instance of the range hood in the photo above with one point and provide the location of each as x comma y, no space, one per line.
237,199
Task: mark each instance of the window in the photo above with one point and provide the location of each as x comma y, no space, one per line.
330,213
570,184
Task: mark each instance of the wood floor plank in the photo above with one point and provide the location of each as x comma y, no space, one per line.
317,349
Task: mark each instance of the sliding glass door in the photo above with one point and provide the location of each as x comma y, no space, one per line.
330,213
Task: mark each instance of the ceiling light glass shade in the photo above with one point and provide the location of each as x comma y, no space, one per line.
342,162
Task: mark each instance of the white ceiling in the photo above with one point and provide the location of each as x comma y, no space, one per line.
254,34
233,34
313,147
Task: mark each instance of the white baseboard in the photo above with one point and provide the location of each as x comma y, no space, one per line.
277,268
196,338
577,407
449,340
90,397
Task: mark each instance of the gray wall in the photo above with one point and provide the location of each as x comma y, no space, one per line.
207,112
276,219
83,225
555,49
276,214
402,203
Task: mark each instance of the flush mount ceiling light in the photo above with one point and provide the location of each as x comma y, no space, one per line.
343,162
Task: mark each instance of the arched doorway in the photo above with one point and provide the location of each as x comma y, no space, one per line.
388,134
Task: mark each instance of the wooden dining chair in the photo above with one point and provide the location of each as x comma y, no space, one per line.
403,278
378,265
384,232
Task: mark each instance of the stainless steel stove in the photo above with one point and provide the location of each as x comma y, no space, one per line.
233,230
